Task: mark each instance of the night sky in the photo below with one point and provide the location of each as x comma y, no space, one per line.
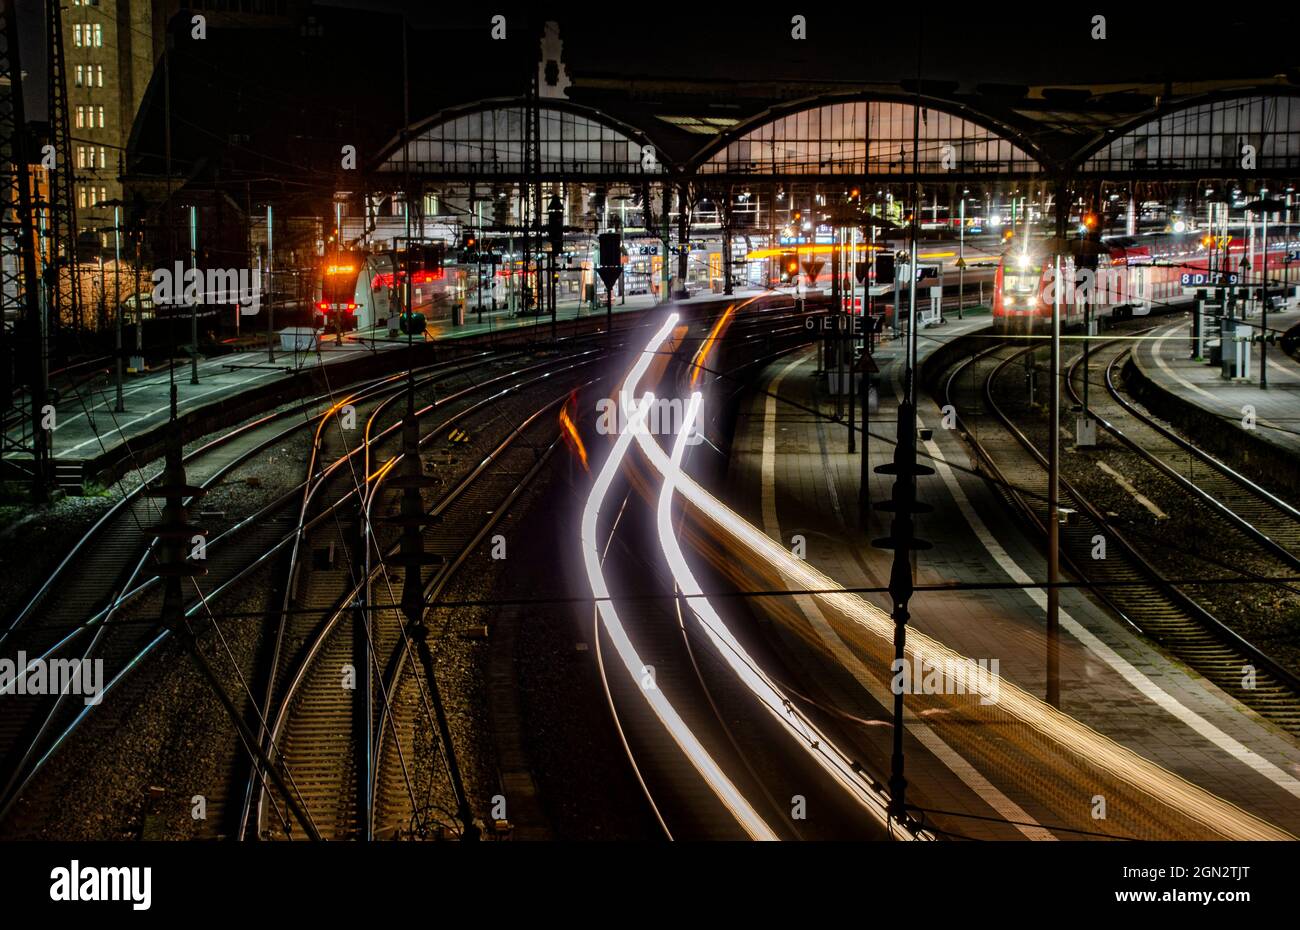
968,45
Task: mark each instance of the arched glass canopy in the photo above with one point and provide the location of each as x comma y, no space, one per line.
1255,133
489,141
868,138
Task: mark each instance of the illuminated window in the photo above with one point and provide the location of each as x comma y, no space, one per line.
80,76
1209,137
869,137
99,75
76,34
488,142
103,158
81,117
98,32
99,113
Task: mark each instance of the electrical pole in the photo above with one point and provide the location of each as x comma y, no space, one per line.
1053,469
412,557
120,406
63,212
961,257
903,505
21,304
173,534
194,308
269,289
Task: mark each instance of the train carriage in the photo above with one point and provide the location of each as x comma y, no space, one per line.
1135,276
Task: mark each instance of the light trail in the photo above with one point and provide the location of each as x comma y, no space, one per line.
748,818
834,761
570,431
1177,796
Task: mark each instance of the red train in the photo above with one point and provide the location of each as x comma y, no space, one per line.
337,307
1134,275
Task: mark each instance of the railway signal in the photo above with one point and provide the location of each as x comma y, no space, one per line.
789,266
610,270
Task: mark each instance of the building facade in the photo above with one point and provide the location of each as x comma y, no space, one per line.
110,48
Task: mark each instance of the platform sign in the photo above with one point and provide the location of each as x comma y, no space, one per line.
1202,278
837,325
812,268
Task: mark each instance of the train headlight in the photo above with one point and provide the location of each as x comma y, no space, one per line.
1022,261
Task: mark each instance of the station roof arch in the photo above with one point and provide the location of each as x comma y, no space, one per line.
485,141
859,136
1203,138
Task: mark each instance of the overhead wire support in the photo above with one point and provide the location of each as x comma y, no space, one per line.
64,309
172,535
20,288
903,504
411,556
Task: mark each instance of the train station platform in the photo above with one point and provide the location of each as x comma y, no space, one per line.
1252,427
791,475
485,322
91,438
89,429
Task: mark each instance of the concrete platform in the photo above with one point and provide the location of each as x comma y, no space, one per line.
791,474
1165,360
92,440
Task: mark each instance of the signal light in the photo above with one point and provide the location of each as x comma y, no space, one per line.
1090,220
323,305
789,265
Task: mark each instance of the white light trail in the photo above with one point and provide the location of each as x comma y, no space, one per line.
709,770
812,740
1163,787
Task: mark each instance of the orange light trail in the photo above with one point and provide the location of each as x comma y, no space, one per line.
813,250
570,430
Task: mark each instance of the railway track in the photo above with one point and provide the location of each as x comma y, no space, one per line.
708,698
125,584
85,613
1124,580
322,730
1271,522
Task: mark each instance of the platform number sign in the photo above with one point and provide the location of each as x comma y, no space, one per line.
1202,278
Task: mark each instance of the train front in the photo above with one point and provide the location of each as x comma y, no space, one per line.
1018,288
